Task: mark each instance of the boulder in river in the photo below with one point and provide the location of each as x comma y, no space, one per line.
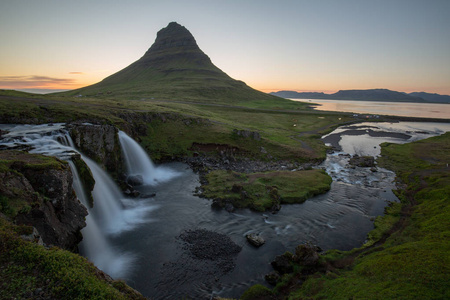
135,180
255,239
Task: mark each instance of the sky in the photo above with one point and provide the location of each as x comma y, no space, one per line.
314,45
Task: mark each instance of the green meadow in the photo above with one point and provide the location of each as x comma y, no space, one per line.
407,254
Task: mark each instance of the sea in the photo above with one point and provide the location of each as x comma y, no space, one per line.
418,110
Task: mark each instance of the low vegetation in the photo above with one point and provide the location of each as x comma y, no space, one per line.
28,270
406,256
263,191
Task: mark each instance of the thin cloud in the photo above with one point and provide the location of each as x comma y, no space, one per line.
76,73
34,81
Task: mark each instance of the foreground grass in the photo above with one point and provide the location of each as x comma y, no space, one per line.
263,191
28,270
407,256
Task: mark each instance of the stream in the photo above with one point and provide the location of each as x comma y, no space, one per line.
138,239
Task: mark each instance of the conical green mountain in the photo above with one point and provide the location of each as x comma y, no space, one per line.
174,68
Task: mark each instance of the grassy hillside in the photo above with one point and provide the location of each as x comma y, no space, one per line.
174,68
407,256
287,129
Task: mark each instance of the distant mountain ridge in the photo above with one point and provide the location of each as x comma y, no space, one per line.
369,95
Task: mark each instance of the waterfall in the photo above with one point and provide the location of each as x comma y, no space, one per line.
94,245
112,213
139,163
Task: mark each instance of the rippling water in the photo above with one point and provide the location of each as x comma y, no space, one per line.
340,219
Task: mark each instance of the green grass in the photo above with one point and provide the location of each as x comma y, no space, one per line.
261,191
287,130
26,267
412,259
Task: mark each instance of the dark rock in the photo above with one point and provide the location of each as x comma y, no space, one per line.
100,143
275,208
306,255
362,161
283,263
229,207
247,134
53,210
135,180
272,278
255,239
145,196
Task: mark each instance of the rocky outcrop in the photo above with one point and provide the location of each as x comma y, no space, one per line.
247,134
100,143
306,259
362,161
43,194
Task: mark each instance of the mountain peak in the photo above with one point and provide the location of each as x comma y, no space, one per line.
173,36
174,67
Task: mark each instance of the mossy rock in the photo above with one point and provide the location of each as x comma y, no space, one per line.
257,292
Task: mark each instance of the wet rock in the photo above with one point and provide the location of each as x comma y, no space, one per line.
272,278
275,208
229,207
255,240
135,180
283,263
362,161
145,196
100,143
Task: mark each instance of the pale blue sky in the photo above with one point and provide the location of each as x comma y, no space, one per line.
271,45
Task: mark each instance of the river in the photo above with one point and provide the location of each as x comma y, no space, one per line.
404,109
149,255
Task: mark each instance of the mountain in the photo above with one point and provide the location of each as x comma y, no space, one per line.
297,95
435,98
375,95
368,95
173,68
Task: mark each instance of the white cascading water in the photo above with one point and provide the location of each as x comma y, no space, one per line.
139,163
94,245
112,213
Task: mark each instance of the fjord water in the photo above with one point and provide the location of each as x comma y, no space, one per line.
141,243
419,110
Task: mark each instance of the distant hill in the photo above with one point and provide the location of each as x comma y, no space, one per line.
296,95
368,95
173,68
436,98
